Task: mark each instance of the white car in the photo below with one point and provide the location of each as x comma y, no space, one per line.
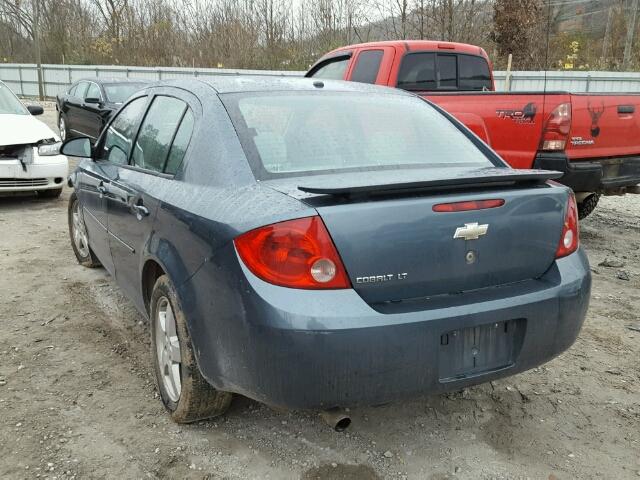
29,150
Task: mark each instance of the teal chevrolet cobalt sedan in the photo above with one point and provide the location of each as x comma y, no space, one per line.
320,244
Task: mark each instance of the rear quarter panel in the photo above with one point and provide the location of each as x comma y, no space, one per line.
603,126
511,122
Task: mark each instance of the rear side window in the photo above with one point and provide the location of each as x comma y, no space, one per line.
334,70
180,143
157,133
443,71
119,136
367,66
418,72
474,73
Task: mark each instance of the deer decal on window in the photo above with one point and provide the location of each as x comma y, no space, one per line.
595,113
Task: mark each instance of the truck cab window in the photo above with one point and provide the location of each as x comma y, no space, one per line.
474,73
367,66
334,70
418,72
430,71
447,71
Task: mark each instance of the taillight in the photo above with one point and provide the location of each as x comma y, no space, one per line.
296,253
556,130
569,240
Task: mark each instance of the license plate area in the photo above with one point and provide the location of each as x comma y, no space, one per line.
473,351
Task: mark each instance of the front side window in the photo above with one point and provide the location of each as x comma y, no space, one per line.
334,70
81,90
157,133
367,66
119,136
9,103
293,134
93,92
72,90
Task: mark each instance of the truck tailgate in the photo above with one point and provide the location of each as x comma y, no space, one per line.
604,126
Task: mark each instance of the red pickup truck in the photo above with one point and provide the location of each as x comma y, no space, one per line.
594,139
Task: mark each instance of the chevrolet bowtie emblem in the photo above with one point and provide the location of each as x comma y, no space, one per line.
471,231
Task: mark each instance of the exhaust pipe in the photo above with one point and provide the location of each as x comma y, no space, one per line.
336,418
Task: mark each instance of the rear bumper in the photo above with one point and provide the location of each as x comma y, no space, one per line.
43,174
320,349
609,175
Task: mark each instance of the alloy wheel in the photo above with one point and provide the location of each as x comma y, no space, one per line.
168,349
79,231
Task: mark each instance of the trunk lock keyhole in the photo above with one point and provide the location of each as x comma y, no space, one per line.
471,257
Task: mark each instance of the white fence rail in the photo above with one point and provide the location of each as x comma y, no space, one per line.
23,78
571,81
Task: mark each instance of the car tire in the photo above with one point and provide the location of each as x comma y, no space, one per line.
184,391
62,127
588,205
50,193
80,239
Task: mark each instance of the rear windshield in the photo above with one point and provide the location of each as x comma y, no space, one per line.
293,134
424,71
9,103
119,92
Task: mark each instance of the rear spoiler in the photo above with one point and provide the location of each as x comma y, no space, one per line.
353,184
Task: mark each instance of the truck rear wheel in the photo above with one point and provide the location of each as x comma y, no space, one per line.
588,205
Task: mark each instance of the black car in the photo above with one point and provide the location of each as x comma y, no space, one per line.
85,108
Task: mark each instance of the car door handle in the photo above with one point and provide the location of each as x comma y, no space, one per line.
626,109
141,211
102,190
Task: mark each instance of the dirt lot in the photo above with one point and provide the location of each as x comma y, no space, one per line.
77,396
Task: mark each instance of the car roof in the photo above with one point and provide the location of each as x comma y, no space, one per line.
272,83
113,80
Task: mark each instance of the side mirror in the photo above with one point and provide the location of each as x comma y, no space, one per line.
35,109
77,147
92,100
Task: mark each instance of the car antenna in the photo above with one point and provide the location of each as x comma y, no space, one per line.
546,61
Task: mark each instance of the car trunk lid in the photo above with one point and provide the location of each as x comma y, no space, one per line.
395,246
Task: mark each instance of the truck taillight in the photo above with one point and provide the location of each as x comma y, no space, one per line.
556,130
569,240
296,254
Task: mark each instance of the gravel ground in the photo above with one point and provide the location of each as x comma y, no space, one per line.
77,395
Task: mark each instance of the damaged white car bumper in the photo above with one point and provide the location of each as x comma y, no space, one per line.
42,173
